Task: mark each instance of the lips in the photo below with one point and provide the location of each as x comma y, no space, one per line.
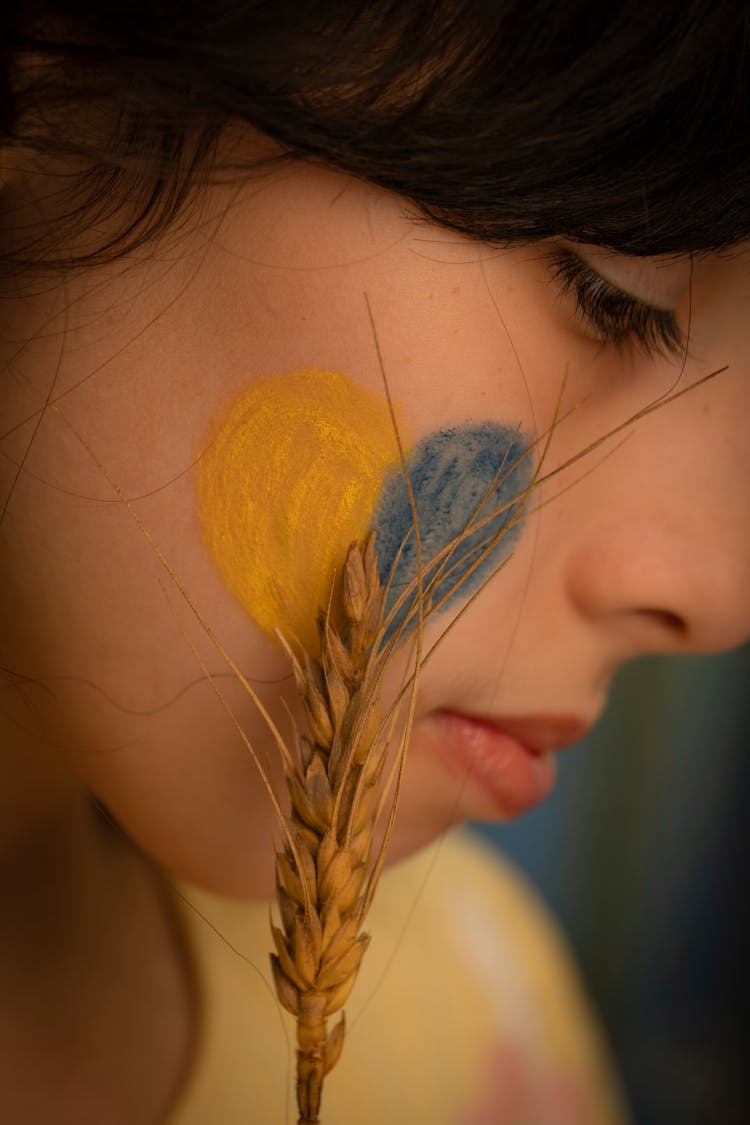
503,763
540,734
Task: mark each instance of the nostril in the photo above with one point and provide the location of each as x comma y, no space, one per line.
667,620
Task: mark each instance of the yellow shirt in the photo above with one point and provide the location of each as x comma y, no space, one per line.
467,1010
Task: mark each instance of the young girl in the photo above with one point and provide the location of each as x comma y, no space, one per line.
261,262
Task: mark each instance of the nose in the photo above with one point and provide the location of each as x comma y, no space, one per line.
657,587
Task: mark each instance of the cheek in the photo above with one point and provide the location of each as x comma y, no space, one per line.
290,477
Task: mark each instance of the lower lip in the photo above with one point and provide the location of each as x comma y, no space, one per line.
510,777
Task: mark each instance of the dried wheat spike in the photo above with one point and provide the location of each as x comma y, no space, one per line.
333,776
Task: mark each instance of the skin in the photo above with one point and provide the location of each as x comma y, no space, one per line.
642,547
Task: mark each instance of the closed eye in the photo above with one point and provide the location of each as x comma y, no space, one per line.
612,315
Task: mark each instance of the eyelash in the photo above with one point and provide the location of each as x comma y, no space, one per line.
615,316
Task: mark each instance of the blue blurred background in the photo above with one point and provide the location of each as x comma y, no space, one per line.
642,855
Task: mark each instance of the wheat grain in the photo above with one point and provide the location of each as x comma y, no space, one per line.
333,777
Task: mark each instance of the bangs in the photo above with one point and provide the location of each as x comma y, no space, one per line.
620,124
523,121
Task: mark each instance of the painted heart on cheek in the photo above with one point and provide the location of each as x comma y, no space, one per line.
302,464
467,485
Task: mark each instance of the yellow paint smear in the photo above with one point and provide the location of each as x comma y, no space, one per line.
290,477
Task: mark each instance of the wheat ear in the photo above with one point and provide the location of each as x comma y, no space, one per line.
333,776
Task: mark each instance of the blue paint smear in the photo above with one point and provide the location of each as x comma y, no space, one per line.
458,476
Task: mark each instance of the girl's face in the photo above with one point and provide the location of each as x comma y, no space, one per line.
141,420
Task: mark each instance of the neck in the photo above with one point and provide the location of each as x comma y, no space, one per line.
87,941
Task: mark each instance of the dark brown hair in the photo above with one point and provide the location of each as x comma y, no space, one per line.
623,124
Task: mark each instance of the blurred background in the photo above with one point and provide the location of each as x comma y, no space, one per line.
642,854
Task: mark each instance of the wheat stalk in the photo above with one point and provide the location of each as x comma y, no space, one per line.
326,875
333,777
